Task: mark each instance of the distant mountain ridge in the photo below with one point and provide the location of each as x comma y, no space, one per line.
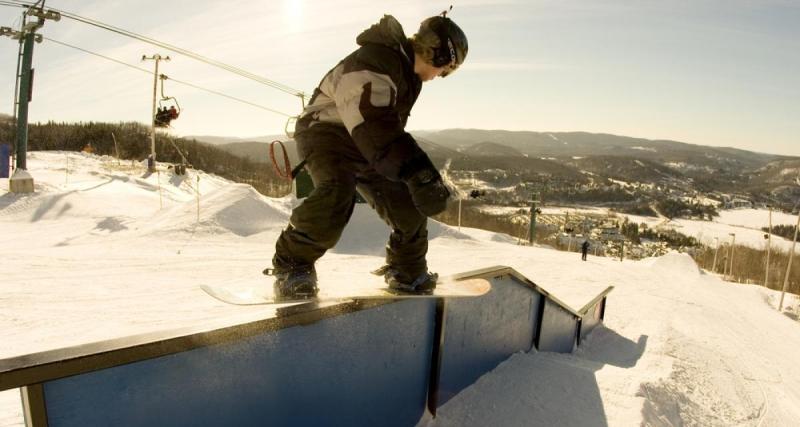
218,140
581,158
567,144
491,149
259,151
702,167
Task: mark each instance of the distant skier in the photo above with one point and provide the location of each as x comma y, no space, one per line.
352,137
584,249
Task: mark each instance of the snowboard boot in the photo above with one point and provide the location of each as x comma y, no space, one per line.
295,283
424,284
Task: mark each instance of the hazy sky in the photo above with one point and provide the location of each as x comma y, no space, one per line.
717,72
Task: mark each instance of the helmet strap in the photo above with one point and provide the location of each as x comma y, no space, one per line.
446,53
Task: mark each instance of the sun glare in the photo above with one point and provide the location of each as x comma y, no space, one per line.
293,12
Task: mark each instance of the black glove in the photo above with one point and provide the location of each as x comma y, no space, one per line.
428,191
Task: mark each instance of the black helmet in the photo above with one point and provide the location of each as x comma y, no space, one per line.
453,44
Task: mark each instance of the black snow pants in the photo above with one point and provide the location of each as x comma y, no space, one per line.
338,170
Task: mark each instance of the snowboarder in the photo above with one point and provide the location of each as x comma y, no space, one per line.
584,249
352,137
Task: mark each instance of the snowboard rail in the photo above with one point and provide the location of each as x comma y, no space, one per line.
371,345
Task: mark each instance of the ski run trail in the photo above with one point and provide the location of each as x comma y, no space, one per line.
101,251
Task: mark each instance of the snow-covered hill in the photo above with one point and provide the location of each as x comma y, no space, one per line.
103,250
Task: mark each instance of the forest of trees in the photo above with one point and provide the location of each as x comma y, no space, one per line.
673,208
750,265
785,231
594,195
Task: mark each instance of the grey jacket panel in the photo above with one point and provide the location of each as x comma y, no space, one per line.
371,93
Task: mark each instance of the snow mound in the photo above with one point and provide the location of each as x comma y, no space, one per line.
367,234
51,203
540,383
236,208
675,263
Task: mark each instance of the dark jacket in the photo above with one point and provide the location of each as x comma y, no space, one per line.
370,93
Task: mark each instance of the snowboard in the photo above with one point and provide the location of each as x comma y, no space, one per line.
446,287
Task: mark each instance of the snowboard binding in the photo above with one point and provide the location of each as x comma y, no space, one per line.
424,284
294,284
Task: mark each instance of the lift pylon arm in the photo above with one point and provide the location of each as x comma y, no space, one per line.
44,14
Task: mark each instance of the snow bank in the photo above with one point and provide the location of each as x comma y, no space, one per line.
236,208
367,234
674,264
535,387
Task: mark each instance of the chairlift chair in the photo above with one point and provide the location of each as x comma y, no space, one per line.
160,121
168,102
164,104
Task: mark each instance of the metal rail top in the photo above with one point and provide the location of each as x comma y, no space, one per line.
59,363
500,270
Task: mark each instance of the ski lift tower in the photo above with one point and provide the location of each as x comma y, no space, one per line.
535,202
21,181
151,164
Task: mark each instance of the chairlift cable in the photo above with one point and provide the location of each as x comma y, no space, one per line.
16,19
233,98
98,55
173,79
7,3
120,31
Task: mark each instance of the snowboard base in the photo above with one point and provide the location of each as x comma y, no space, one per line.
262,294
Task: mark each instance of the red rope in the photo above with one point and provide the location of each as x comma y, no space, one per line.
287,167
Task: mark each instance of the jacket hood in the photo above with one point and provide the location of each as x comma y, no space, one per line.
387,31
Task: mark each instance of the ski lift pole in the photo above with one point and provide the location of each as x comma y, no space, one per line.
459,214
22,182
534,210
151,166
733,250
716,252
9,31
789,266
25,93
769,248
116,147
197,193
27,37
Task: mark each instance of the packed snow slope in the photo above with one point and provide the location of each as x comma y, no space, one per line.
102,250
